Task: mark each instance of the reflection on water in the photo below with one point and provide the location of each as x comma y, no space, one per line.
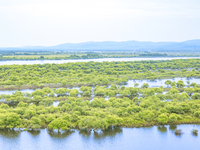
85,133
162,128
9,133
173,127
107,133
59,135
34,132
151,138
178,134
195,134
112,132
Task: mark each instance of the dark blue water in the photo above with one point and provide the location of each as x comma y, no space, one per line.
28,62
149,138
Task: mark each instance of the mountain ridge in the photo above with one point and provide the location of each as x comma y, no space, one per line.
112,45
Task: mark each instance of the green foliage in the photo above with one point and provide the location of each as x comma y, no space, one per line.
145,85
22,104
9,120
168,82
4,106
90,122
180,84
196,96
163,118
59,124
197,114
86,73
173,117
122,108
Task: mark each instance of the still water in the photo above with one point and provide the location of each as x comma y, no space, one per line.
161,82
130,83
149,138
29,62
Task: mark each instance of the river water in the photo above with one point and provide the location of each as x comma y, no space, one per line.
30,62
148,138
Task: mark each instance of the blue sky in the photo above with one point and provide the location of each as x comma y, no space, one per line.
52,22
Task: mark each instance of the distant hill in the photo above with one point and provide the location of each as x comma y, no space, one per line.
191,45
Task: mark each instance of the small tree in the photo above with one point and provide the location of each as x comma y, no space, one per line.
195,132
41,57
168,82
180,84
163,118
145,85
136,84
59,124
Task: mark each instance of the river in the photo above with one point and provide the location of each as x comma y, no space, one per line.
147,138
30,62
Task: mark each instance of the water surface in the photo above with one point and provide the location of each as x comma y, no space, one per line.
149,138
161,82
130,83
30,62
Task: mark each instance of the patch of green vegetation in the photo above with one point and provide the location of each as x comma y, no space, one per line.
93,73
123,108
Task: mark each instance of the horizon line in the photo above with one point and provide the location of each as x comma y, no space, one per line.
99,42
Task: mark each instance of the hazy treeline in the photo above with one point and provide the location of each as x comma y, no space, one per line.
65,55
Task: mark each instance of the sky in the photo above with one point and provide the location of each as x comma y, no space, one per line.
53,22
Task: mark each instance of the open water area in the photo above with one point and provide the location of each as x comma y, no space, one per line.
31,62
146,138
